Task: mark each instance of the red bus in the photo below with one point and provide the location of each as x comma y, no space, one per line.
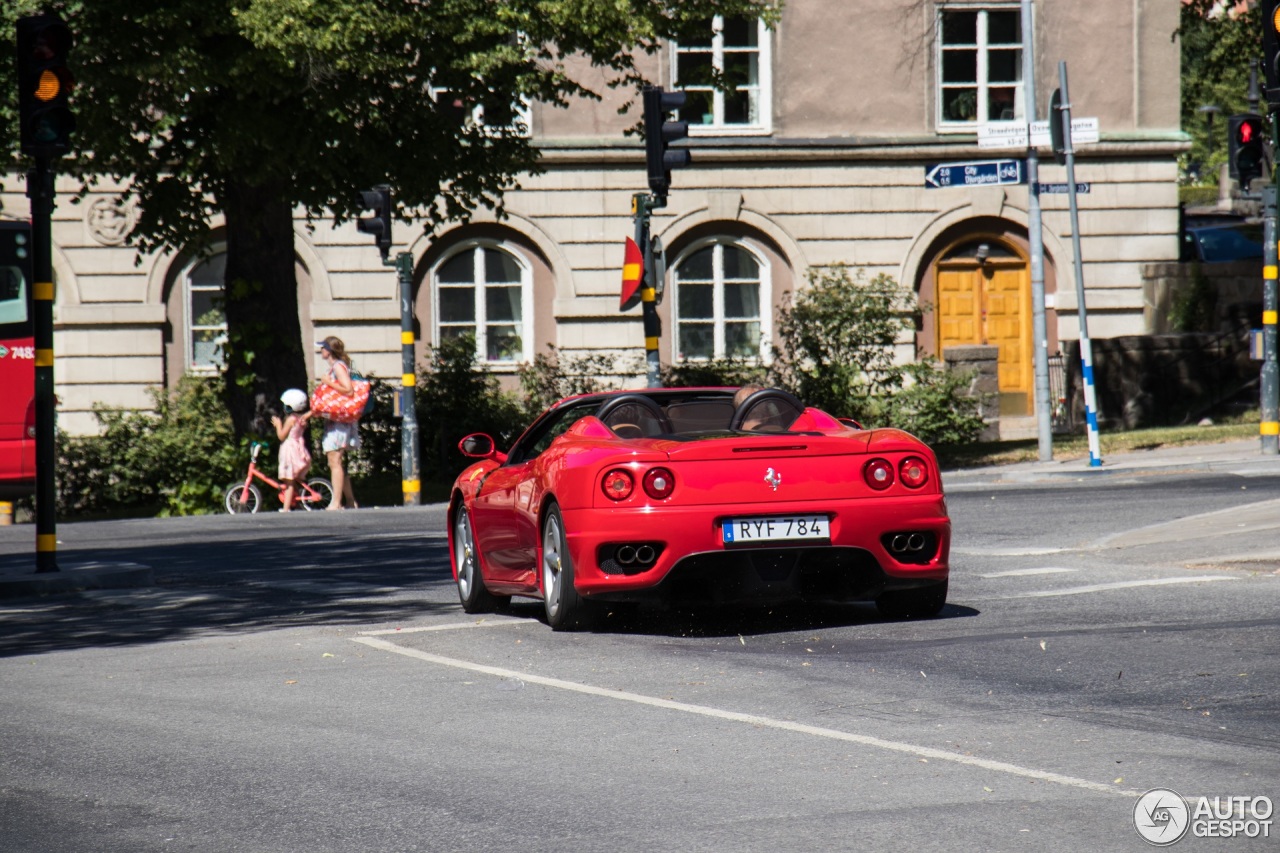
17,363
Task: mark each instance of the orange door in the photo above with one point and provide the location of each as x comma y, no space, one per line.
991,305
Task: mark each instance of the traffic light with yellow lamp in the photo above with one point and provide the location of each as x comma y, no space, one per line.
44,86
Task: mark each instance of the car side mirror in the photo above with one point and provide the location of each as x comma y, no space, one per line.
477,446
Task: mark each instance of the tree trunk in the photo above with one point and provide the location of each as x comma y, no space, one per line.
264,353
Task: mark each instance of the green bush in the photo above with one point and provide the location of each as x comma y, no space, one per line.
175,460
714,373
552,376
456,396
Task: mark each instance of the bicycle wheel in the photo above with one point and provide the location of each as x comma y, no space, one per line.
233,501
323,494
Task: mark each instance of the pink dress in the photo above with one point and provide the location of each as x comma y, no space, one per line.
295,459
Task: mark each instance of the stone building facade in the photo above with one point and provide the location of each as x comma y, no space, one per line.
816,159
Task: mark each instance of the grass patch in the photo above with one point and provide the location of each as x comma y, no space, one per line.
1067,447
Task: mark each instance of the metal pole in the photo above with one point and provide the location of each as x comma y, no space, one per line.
1086,350
40,191
1269,428
1035,235
641,205
411,483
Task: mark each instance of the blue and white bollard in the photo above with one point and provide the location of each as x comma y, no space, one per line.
1090,402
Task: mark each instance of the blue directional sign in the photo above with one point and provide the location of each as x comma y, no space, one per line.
974,174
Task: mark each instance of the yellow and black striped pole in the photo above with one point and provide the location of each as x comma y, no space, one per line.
411,482
1270,380
40,192
640,206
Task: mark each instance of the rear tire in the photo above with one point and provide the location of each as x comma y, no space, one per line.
565,608
232,499
323,488
473,594
921,603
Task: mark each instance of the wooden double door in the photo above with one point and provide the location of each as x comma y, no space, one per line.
989,303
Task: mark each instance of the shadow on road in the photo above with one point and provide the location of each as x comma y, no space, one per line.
236,586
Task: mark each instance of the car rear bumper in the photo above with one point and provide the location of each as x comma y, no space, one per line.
690,556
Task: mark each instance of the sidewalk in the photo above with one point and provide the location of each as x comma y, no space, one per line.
1242,457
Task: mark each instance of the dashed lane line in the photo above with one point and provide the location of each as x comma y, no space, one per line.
752,720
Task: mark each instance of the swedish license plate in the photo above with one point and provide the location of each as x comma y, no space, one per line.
775,528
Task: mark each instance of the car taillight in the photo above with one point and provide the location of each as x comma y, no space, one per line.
879,474
659,483
618,484
913,471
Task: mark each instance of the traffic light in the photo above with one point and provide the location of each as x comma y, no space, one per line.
378,200
1270,13
1244,148
659,133
44,83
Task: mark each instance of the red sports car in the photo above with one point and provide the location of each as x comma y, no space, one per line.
681,492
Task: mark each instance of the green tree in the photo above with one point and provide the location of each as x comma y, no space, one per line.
1216,51
254,108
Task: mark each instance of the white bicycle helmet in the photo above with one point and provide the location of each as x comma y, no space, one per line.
295,399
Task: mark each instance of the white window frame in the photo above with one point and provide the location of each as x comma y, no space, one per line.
524,325
764,72
189,322
983,84
765,353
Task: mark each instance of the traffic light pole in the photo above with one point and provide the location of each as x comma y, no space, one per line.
411,482
1269,428
641,204
40,192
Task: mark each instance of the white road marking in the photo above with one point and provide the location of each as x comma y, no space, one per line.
1105,587
488,622
753,720
1008,552
1021,573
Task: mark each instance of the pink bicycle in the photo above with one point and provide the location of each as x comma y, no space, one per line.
315,493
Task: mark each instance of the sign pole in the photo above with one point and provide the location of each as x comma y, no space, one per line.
1086,350
1035,236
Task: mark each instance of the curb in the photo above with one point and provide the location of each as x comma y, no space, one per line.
1052,471
75,577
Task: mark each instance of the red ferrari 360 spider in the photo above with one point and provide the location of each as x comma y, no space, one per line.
678,492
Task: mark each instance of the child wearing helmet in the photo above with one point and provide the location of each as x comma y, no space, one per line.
295,459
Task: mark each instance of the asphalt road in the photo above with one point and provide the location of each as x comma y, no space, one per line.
308,683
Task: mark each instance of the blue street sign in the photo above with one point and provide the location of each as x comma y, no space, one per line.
974,174
1063,188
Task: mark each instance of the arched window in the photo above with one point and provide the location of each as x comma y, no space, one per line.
203,313
484,290
722,303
